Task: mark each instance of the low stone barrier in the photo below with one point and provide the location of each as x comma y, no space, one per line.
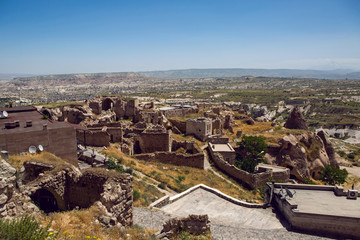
194,224
249,179
167,200
179,159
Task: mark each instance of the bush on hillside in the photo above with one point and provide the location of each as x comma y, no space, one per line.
253,149
333,175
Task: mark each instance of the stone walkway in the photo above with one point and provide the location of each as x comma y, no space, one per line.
221,211
154,219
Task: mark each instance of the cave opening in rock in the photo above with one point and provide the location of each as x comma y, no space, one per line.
107,104
45,200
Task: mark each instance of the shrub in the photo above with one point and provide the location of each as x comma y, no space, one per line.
351,156
129,171
342,153
162,185
252,150
333,175
136,195
112,165
309,181
25,228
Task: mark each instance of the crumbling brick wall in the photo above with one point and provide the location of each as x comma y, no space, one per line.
96,138
111,191
181,125
116,134
153,142
180,112
179,159
201,128
189,147
251,180
95,107
194,224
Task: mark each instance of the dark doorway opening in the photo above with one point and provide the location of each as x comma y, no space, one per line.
45,200
107,104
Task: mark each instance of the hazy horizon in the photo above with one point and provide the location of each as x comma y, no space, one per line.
63,37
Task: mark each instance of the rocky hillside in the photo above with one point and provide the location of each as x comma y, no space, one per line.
78,79
239,72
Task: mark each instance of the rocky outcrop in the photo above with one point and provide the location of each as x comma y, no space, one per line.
304,155
248,121
194,224
329,148
73,115
12,202
296,120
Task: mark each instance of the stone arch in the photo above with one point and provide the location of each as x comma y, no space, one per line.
46,113
107,104
48,200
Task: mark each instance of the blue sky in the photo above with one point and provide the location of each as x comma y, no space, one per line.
74,36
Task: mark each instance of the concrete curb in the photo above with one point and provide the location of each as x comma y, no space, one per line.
167,200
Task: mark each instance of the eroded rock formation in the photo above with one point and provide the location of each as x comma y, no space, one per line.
304,154
296,120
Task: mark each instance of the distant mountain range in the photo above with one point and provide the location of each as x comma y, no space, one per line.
95,78
239,72
6,77
78,79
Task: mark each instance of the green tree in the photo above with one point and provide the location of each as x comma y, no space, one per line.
253,149
333,175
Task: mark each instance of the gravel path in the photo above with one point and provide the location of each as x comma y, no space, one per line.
153,219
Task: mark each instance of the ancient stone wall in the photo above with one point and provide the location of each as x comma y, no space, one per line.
201,128
147,116
12,203
116,134
131,107
251,180
179,112
73,114
189,147
96,138
95,107
179,159
112,192
153,142
193,224
181,125
219,140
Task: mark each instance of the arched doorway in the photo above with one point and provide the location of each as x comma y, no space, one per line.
107,104
47,201
46,114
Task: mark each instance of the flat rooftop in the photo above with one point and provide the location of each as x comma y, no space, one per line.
221,147
23,114
325,202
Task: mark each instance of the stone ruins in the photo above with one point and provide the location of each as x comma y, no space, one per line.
60,187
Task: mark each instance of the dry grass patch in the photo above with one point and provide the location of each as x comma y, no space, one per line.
352,180
17,160
147,193
182,138
179,178
80,225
